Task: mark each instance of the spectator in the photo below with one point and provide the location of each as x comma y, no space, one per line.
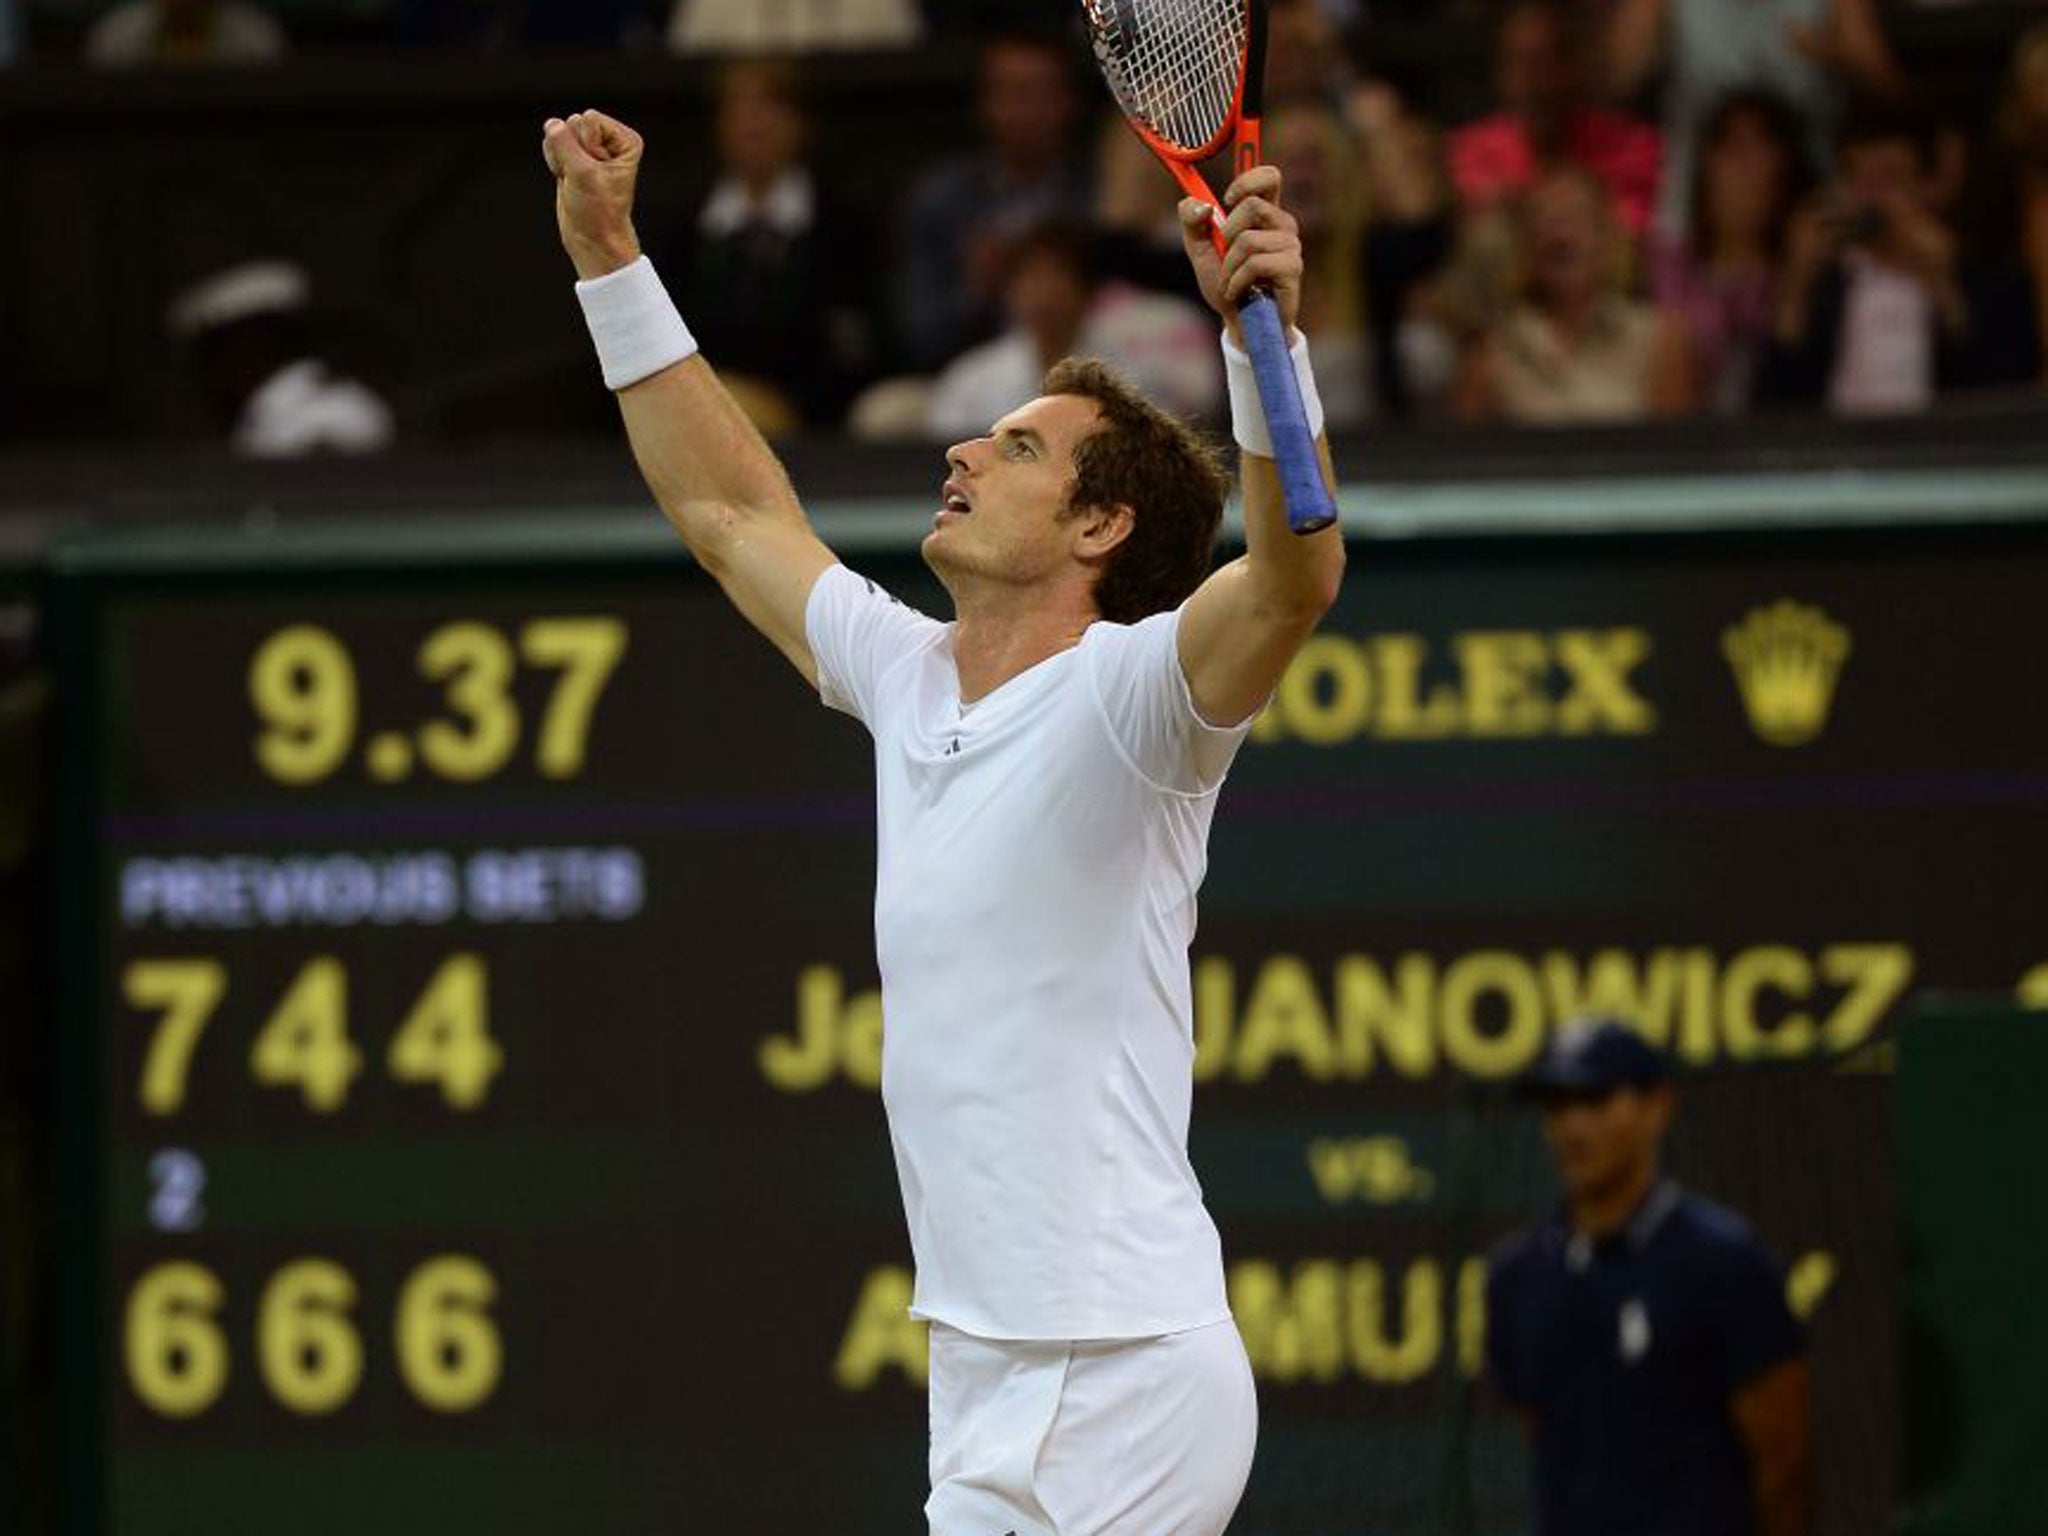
779,278
1880,310
145,32
253,345
1057,308
2025,132
1722,278
1456,308
962,216
1326,191
1544,120
1137,215
1576,348
492,26
792,26
1305,58
1643,1332
1802,51
1408,242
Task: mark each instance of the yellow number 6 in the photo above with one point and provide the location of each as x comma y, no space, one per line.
448,1347
177,1358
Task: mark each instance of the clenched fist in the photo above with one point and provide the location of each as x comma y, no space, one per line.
596,161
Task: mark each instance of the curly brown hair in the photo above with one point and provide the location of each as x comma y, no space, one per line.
1173,479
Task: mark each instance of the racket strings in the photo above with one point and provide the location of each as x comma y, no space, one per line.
1173,65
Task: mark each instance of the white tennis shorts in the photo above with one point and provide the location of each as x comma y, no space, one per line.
1137,1437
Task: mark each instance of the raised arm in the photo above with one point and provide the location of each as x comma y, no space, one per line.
713,476
1239,632
1851,41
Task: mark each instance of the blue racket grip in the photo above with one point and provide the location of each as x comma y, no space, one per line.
1310,506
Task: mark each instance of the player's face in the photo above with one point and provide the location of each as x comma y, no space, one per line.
1603,1143
1000,516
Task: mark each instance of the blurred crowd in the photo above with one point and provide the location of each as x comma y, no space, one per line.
1667,207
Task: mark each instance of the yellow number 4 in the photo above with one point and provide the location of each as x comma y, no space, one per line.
446,1039
305,1045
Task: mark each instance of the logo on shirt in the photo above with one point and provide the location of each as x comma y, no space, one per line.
875,591
1787,659
1635,1332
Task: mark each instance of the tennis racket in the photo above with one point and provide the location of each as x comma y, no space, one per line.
1190,75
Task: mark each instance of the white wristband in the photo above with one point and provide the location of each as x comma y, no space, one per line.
1247,414
634,323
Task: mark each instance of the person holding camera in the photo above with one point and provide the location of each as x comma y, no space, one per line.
1881,311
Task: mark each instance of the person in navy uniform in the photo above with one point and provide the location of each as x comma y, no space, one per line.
1642,1331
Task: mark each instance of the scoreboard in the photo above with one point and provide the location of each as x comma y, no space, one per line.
472,1034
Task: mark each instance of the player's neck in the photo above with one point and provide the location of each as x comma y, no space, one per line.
1601,1213
1001,635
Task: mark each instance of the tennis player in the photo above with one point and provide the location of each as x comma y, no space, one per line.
1047,766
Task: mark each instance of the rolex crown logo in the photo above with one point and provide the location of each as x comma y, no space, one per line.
1787,659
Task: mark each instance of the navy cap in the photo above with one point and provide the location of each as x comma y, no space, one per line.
1596,1056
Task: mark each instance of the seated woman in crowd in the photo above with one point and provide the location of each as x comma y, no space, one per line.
1576,347
1722,275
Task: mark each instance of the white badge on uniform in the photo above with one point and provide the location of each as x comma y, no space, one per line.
1635,1331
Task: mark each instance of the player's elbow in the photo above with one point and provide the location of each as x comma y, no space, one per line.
706,528
1311,590
714,530
1296,609
1329,576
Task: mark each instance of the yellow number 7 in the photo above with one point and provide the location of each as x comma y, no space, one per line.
587,651
185,992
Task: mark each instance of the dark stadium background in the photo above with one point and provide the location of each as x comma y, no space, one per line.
697,1266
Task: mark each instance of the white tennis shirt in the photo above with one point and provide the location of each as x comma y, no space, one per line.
1037,863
